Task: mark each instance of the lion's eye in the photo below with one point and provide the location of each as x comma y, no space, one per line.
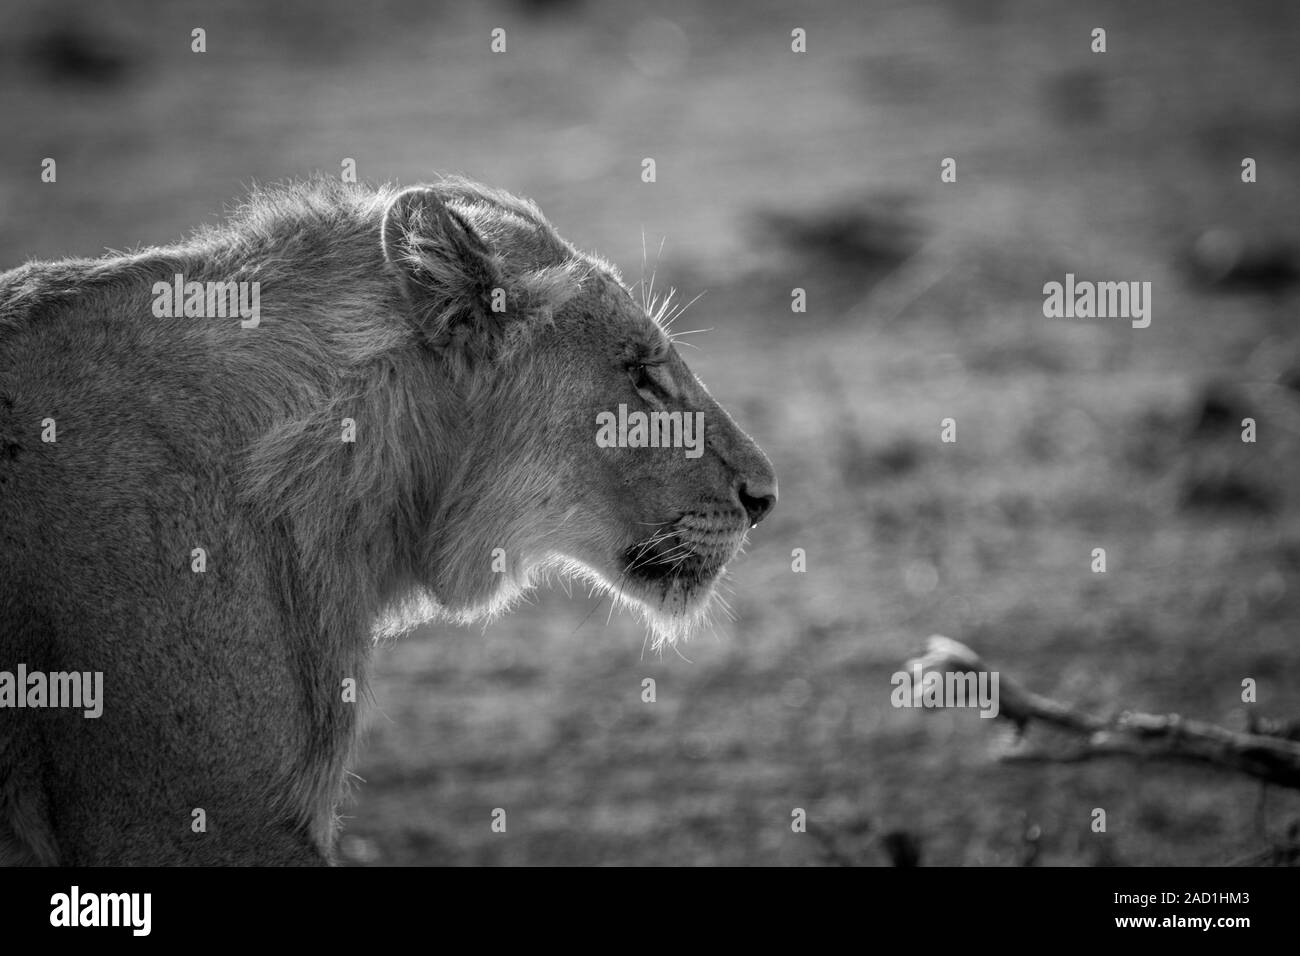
643,379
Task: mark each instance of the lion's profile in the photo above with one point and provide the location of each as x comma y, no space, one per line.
218,518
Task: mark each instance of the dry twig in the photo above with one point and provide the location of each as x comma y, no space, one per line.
1266,756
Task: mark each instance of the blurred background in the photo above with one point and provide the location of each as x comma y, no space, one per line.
819,170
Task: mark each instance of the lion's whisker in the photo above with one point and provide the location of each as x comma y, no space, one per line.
655,271
678,312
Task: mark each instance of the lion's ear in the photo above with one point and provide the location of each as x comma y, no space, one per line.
447,271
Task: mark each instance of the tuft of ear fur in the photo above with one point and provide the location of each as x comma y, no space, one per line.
447,271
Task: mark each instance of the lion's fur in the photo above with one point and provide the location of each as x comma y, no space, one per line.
224,689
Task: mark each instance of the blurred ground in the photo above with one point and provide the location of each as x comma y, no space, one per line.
818,171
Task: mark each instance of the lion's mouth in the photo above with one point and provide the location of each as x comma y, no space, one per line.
666,560
671,576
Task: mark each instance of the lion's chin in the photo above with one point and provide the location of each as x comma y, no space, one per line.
673,611
673,604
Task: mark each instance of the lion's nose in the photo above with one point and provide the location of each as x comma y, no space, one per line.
758,497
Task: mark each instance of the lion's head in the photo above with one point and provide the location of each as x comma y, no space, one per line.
585,442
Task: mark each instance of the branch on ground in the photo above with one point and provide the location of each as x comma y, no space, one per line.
1269,756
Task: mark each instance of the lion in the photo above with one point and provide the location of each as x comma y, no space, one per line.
220,514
